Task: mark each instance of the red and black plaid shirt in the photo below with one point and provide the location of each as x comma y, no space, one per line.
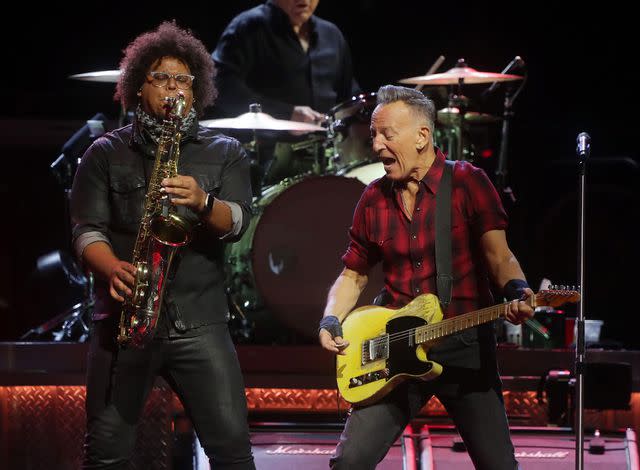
382,232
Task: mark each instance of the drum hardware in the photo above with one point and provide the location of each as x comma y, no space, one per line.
274,159
456,114
508,114
349,133
256,120
62,276
454,135
103,76
279,273
461,74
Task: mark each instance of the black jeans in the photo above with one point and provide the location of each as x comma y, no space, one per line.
471,396
202,370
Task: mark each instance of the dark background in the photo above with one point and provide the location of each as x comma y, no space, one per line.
581,77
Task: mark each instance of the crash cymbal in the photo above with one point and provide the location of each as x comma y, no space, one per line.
261,121
450,117
104,76
461,73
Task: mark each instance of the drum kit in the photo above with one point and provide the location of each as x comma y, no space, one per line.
279,273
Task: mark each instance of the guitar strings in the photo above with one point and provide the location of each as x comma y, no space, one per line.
431,327
435,326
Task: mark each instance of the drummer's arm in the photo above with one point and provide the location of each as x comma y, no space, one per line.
343,296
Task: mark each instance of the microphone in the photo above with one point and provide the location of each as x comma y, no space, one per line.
583,148
516,63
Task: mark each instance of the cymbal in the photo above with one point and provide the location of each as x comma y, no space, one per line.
480,118
261,121
460,73
104,76
450,116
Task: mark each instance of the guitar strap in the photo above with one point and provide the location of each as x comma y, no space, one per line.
444,276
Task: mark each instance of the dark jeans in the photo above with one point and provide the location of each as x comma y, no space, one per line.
472,397
203,371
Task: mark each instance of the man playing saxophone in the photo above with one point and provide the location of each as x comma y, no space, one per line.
190,346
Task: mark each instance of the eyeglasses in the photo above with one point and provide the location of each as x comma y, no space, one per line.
183,80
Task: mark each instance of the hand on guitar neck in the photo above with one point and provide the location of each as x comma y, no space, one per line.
518,311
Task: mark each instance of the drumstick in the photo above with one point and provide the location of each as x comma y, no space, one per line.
436,65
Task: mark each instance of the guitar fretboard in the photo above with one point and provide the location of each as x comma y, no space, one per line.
458,323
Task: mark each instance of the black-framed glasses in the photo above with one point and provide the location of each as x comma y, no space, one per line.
183,81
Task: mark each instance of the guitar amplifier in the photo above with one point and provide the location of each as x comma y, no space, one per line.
536,449
311,450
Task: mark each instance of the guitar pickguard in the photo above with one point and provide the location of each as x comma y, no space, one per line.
402,348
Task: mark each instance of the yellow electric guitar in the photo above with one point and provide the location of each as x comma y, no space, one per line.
388,346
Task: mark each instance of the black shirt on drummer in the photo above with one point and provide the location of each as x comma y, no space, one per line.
296,65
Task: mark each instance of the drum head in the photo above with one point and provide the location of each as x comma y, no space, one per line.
297,245
365,172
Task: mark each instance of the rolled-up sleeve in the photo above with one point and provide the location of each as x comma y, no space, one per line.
89,204
235,189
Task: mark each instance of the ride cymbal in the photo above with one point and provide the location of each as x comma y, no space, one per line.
461,73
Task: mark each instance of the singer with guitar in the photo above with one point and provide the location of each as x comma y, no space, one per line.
395,224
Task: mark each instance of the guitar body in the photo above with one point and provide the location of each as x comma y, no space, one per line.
388,346
376,361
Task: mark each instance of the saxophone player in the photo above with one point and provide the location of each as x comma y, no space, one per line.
191,348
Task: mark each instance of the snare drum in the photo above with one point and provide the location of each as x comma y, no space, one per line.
349,126
290,255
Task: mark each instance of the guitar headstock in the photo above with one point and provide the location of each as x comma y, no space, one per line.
556,296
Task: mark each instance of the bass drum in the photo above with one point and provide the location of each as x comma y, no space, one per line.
290,255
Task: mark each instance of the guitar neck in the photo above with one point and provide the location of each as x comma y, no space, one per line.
463,322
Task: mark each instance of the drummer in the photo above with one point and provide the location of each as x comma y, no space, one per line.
279,54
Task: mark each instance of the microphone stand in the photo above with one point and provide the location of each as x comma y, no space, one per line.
583,150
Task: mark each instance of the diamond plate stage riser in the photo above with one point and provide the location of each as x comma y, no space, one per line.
45,428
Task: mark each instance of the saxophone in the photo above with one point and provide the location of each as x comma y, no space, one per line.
162,231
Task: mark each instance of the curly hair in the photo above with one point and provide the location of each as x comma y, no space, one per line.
168,40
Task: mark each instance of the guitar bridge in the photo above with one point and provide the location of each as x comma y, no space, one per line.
375,349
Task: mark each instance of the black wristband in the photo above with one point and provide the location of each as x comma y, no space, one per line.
332,325
514,289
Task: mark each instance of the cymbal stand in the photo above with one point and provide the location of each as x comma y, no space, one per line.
507,116
256,171
455,139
